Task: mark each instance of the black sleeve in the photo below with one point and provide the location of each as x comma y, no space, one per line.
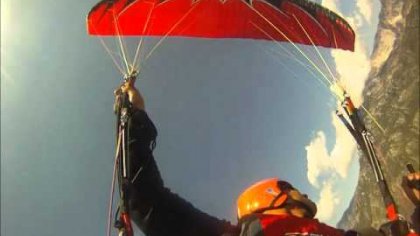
154,208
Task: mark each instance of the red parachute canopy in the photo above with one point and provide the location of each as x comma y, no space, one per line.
298,21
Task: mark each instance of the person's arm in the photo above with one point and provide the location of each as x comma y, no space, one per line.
153,207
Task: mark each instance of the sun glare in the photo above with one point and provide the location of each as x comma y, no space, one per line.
5,31
5,20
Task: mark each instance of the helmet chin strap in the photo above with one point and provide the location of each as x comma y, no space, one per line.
292,204
282,197
289,204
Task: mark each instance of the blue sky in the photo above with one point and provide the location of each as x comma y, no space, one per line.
228,114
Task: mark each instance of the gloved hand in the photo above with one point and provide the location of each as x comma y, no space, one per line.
398,227
411,186
134,95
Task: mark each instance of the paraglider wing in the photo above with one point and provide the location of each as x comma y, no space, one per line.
298,21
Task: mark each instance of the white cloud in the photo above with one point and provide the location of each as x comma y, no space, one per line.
353,68
344,148
327,203
365,7
353,75
324,164
318,159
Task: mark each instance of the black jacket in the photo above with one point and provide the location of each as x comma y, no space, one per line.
153,207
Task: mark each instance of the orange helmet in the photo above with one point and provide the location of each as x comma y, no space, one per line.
265,195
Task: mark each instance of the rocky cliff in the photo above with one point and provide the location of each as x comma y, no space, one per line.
392,96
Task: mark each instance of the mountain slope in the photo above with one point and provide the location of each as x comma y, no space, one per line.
392,96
